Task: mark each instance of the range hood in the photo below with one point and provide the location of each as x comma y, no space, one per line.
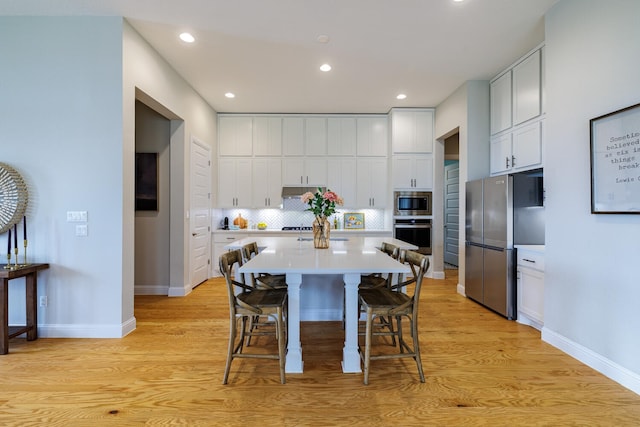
298,191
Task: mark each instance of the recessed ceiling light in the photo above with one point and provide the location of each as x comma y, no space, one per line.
187,38
230,95
401,96
323,38
325,67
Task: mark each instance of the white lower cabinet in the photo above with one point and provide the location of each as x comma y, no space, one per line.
530,282
220,240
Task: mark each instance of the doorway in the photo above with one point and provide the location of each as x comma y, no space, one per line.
451,201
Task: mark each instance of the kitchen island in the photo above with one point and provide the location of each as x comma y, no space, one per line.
313,269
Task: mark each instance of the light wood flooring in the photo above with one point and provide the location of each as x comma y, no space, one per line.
480,370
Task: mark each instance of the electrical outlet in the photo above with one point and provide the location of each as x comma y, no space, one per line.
81,230
43,301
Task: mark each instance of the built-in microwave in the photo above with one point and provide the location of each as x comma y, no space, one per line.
414,203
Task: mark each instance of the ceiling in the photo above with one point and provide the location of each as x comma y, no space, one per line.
267,51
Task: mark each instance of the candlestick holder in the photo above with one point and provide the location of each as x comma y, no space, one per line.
25,253
15,251
8,266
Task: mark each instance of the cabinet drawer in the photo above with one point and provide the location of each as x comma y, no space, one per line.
227,237
531,259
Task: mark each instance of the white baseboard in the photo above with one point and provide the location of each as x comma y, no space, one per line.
460,290
438,275
317,315
606,367
175,291
87,331
151,290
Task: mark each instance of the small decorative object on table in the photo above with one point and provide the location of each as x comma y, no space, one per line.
322,204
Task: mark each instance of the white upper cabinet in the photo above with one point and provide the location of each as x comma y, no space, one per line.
304,171
372,136
518,150
413,172
372,183
267,136
293,136
341,136
342,179
500,93
315,136
267,183
234,183
412,130
235,135
527,96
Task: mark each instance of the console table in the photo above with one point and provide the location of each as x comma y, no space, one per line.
30,273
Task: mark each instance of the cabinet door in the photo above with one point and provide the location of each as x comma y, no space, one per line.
234,183
372,136
315,172
315,136
293,171
423,132
292,136
267,136
527,146
379,183
235,136
402,172
527,89
402,131
531,293
342,178
267,182
423,172
372,183
341,136
500,154
500,94
412,131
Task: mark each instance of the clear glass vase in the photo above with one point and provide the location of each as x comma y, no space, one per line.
321,230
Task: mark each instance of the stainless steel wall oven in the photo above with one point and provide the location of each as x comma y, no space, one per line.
416,231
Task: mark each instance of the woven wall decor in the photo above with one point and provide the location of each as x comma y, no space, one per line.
13,197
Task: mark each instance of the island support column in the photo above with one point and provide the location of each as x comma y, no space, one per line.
350,354
294,348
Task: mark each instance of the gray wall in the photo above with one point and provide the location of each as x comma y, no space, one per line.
591,281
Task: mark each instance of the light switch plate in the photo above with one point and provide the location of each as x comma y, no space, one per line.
81,230
76,216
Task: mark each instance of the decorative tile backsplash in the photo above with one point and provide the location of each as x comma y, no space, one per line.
292,214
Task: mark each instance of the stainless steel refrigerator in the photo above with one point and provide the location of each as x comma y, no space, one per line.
489,254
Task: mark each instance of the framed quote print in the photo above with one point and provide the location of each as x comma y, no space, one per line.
615,162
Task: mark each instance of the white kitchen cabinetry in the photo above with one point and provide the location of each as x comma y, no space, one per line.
527,93
267,183
413,172
530,282
234,182
267,136
412,130
315,136
304,171
220,240
341,136
517,116
500,94
235,135
372,183
342,179
293,136
372,136
518,150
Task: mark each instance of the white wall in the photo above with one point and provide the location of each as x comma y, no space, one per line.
61,109
68,109
467,111
592,292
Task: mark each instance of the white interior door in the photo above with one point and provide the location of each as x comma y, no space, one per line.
200,242
451,214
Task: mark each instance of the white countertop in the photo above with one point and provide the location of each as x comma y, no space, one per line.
533,248
295,232
353,255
